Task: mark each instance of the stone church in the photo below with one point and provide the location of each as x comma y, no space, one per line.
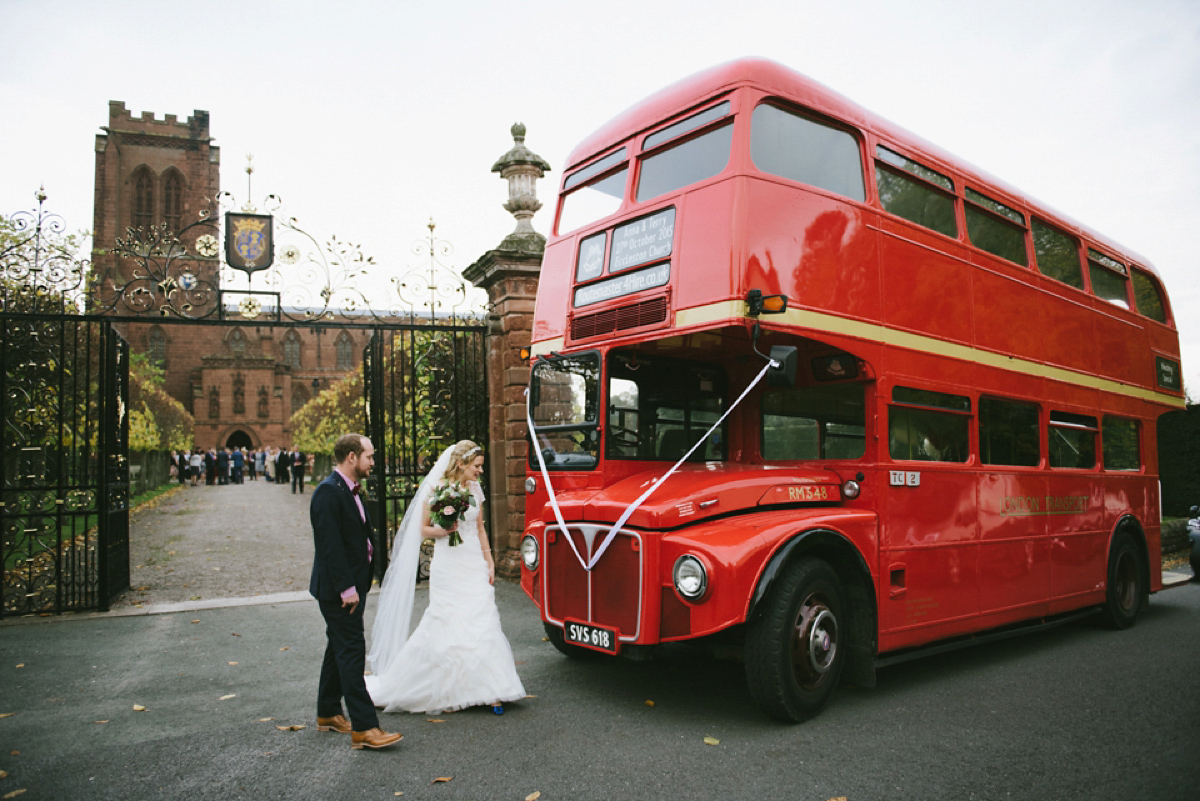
242,383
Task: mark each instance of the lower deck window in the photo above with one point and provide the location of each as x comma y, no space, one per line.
1072,441
818,422
929,426
1122,444
659,408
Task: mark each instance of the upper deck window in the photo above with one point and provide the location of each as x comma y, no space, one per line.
692,123
1057,254
586,200
996,228
1149,296
795,147
1109,278
686,163
913,191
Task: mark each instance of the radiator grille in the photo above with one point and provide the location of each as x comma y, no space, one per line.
609,321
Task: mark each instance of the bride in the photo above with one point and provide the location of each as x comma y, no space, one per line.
457,656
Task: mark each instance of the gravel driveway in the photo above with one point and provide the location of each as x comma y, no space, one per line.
200,543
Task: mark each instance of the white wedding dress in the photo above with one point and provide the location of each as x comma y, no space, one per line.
457,656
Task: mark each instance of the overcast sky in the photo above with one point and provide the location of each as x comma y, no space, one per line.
370,118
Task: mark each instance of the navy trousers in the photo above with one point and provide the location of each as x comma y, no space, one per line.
342,670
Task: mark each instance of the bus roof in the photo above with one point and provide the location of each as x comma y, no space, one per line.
775,78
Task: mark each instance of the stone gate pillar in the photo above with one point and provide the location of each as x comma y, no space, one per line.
510,275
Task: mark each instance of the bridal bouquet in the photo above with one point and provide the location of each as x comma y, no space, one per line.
447,502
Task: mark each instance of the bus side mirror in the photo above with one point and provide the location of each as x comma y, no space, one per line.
783,376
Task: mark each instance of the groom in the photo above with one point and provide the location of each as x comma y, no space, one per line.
341,577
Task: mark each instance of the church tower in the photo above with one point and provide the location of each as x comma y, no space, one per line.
152,172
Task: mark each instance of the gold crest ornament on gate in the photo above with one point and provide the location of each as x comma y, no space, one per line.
249,245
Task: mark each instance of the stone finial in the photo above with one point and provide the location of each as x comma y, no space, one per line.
522,168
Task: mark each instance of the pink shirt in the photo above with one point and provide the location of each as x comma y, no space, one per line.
362,515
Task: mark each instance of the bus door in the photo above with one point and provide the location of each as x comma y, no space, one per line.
929,571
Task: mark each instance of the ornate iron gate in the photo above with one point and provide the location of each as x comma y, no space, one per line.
425,389
64,479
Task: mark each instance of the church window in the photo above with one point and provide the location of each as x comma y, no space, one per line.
156,347
237,342
299,397
173,201
143,199
345,351
291,349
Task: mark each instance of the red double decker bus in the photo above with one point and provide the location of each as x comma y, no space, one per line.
807,383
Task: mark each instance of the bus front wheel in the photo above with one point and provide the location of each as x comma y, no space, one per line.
1126,582
796,646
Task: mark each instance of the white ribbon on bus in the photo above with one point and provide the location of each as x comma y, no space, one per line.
629,510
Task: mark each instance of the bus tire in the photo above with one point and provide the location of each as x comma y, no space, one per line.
1126,586
796,646
555,635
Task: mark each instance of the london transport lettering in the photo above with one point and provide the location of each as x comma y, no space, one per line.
1024,505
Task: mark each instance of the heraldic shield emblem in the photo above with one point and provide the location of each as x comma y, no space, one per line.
248,242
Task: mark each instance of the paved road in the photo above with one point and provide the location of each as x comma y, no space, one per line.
1074,713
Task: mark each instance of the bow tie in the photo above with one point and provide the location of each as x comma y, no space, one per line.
356,489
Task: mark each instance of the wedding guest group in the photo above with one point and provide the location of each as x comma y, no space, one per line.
231,466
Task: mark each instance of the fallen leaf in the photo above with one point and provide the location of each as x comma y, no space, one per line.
284,648
434,720
711,741
21,665
3,774
649,703
397,793
534,796
14,793
235,634
839,798
139,708
194,597
7,714
195,621
442,780
265,720
293,727
99,722
233,663
227,697
14,752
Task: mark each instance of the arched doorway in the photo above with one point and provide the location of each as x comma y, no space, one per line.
239,439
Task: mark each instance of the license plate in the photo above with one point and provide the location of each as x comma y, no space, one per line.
598,638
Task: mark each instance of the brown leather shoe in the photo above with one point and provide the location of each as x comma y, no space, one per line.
335,723
373,738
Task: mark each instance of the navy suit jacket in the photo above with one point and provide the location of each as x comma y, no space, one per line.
341,560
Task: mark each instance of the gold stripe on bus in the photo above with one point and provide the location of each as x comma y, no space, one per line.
734,311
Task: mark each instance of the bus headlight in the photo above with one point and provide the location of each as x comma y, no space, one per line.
530,485
691,579
529,552
851,489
